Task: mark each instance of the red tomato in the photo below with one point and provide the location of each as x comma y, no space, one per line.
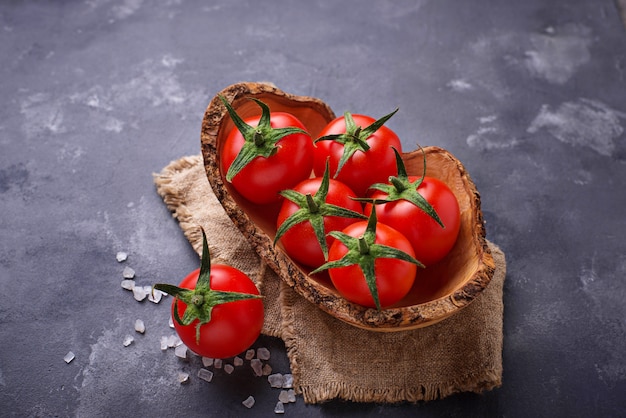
430,241
364,167
394,277
234,326
300,241
263,178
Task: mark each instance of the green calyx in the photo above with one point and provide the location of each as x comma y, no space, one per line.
313,209
401,188
355,137
201,300
260,141
363,251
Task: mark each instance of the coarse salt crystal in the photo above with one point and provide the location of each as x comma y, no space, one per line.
283,396
128,284
206,375
257,366
229,368
287,381
128,340
291,395
237,361
207,361
181,352
173,341
164,344
279,408
69,357
217,363
128,273
250,354
276,380
249,402
263,353
183,378
267,369
155,295
139,293
121,256
140,327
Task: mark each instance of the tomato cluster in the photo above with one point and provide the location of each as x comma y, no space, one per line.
346,202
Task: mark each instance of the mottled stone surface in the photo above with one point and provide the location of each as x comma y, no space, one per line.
96,96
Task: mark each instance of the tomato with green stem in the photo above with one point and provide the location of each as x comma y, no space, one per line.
371,264
360,150
217,310
312,209
266,154
423,208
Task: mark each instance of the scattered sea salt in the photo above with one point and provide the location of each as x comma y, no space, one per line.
291,395
276,380
128,284
207,361
171,322
257,366
121,256
287,381
183,378
279,408
140,327
249,402
128,273
229,368
164,343
206,375
128,340
238,361
181,352
217,363
69,357
250,354
263,353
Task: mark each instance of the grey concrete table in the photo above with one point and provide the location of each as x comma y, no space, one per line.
95,96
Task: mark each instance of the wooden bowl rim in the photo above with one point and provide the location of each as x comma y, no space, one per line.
387,320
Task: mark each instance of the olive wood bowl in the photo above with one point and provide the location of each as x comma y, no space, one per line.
440,290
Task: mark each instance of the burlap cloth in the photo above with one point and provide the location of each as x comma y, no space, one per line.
333,360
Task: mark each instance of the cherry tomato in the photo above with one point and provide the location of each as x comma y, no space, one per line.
217,310
394,277
234,326
431,242
274,161
364,166
301,241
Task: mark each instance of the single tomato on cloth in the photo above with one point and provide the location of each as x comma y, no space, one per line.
217,310
266,154
310,211
424,209
360,150
371,264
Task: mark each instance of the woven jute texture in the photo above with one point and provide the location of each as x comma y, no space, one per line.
330,359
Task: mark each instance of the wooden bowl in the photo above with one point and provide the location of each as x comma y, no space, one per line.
440,290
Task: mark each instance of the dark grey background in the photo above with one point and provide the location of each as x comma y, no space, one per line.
97,95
